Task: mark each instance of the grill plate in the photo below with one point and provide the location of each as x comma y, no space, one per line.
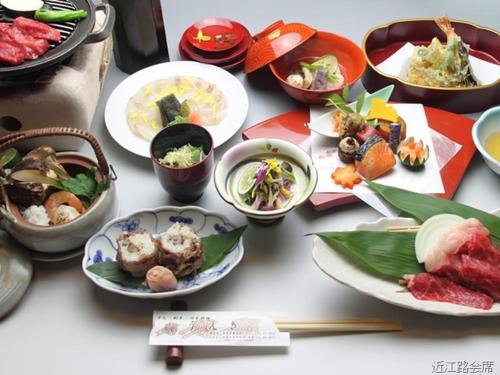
72,35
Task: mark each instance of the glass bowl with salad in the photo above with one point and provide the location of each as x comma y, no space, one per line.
183,159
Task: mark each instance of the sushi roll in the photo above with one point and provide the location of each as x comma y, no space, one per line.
137,252
180,250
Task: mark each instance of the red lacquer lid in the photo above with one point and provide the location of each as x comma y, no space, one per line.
275,41
215,34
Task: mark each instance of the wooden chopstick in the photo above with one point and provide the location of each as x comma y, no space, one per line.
409,228
329,325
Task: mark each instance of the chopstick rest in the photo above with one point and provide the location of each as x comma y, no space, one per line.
174,355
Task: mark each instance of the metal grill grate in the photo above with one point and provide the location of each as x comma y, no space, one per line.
65,28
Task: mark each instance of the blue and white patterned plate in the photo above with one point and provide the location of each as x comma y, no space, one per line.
102,247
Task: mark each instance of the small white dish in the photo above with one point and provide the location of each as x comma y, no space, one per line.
487,124
115,116
340,269
102,247
323,124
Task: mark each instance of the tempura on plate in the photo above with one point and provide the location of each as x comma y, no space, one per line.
439,65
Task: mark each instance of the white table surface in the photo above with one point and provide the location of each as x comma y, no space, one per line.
66,325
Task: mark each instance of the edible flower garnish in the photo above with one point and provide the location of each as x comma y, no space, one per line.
267,186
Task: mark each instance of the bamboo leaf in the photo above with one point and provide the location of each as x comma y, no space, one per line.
384,254
422,207
111,271
360,102
218,245
345,94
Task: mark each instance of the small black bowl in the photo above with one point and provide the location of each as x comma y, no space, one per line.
183,184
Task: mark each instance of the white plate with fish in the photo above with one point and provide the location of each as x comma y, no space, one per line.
341,269
175,92
102,250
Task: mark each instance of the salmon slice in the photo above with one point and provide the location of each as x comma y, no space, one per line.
374,158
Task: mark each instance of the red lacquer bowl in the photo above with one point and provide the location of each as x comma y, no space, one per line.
183,184
350,57
382,41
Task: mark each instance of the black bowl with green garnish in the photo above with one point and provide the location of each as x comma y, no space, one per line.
183,160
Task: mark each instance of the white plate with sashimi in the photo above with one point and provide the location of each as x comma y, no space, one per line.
171,93
430,289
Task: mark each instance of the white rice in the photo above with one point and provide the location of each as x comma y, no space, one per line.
36,215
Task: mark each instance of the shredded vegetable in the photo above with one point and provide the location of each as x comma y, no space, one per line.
270,187
183,157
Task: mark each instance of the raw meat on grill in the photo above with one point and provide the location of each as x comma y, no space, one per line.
33,47
11,54
428,287
25,39
37,29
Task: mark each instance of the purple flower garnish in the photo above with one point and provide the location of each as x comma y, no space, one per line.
261,174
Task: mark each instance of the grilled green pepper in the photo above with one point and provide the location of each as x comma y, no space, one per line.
47,15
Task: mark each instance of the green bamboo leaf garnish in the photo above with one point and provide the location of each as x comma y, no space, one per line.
360,101
218,245
389,255
215,248
111,271
345,94
421,207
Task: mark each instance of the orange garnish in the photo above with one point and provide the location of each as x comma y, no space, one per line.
346,176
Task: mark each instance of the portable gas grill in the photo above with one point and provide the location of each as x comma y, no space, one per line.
61,87
73,34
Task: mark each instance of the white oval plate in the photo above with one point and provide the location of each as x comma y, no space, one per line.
339,268
116,120
323,124
102,247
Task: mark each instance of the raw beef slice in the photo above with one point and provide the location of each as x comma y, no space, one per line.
427,287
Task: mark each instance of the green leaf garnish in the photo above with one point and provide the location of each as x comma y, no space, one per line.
360,101
111,271
84,186
218,245
345,94
389,255
422,206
